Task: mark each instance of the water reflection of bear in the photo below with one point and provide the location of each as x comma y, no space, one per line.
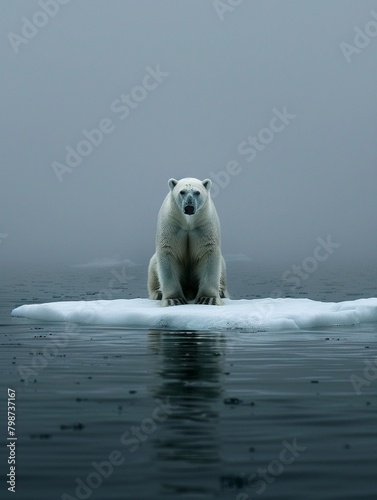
189,370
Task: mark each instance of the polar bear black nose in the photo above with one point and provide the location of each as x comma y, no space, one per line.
189,210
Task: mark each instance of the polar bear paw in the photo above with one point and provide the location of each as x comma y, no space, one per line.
178,301
211,301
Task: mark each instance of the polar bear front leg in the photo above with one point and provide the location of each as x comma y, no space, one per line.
168,275
223,288
209,273
153,282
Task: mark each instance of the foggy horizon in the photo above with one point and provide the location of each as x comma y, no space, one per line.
105,101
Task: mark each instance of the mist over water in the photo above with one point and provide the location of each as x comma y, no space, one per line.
104,101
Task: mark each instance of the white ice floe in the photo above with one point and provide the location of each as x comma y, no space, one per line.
254,315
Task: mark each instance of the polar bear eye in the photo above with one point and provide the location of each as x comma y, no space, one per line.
183,191
196,193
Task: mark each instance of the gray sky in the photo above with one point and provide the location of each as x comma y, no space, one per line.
198,81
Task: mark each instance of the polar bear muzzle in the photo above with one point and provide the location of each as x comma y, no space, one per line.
189,210
190,200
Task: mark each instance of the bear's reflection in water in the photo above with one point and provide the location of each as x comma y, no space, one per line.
189,368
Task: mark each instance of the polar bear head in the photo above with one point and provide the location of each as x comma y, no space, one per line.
190,194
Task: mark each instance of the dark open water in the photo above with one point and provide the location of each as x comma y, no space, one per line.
246,415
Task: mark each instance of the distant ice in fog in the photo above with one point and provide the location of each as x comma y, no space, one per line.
106,262
254,315
236,257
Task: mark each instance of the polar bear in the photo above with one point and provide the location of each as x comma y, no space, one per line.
188,264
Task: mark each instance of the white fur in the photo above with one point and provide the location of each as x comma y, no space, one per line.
188,263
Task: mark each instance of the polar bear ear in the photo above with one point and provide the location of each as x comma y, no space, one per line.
207,183
172,183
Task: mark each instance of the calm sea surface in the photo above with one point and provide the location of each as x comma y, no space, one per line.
116,414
